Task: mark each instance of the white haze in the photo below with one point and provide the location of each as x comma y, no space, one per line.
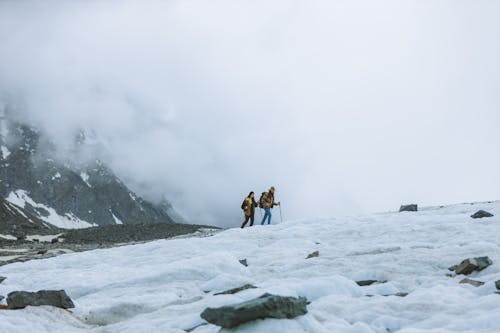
344,106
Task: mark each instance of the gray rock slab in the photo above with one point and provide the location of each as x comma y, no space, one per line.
472,282
409,208
266,306
481,214
2,279
22,299
497,284
244,262
365,283
315,254
470,265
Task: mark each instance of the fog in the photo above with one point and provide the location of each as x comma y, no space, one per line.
346,107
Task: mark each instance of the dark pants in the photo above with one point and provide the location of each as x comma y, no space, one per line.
251,218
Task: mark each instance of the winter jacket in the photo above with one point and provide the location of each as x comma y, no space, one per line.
249,206
268,200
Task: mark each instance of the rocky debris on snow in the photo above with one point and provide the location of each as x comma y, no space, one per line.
315,254
497,284
470,265
42,252
1,298
472,282
2,279
389,295
365,283
266,306
22,299
236,290
243,262
409,208
481,214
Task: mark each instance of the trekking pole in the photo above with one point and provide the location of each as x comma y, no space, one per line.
281,215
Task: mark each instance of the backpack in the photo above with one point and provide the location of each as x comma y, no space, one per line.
263,197
244,204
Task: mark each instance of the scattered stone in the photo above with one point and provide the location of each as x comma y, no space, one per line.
1,298
453,268
365,283
481,214
42,252
236,290
497,284
401,294
244,262
266,306
2,279
473,264
472,282
54,240
315,254
36,240
409,208
22,299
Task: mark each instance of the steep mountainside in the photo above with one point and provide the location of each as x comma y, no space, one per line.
65,194
14,221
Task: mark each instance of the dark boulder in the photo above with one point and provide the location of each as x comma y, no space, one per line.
22,299
468,266
236,290
481,214
365,283
315,254
497,284
266,306
2,279
409,208
243,262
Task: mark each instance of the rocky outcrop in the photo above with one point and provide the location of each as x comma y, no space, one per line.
65,191
17,222
470,265
409,208
497,284
22,299
266,306
2,279
481,214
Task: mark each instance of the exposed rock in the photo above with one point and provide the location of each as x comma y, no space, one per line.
497,284
453,268
315,254
243,262
472,282
2,279
236,290
481,214
365,283
54,240
409,208
42,252
266,306
22,299
473,264
1,298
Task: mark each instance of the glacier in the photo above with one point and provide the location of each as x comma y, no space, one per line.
163,286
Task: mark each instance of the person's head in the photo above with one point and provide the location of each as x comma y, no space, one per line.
251,194
272,189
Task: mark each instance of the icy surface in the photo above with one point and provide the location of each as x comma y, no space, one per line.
117,220
163,286
21,198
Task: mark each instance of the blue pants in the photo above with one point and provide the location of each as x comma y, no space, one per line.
267,215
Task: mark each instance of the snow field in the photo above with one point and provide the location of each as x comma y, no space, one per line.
163,286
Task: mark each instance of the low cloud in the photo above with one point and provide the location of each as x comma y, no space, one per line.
345,107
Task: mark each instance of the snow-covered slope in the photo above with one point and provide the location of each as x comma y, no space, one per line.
163,286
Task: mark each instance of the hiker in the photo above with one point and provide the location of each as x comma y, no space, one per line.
267,202
248,207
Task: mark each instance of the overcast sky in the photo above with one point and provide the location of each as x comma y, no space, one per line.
346,107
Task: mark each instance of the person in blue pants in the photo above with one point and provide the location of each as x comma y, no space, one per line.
268,203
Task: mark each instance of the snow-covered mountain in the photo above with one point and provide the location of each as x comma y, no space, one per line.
64,192
163,286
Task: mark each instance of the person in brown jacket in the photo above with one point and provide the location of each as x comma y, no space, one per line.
268,203
248,207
